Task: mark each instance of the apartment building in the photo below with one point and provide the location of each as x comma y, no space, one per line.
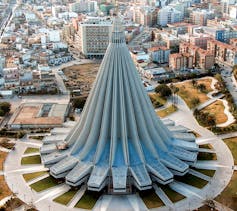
179,61
159,54
93,35
224,53
201,58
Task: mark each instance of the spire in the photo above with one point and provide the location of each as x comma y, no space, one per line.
118,35
119,141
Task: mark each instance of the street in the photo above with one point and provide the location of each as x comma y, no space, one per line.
230,82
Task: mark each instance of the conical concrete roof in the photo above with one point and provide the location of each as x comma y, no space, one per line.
119,141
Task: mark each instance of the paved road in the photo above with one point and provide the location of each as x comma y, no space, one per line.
7,19
230,82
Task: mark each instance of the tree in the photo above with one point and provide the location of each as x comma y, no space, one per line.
194,82
5,107
195,101
202,87
79,102
174,90
163,90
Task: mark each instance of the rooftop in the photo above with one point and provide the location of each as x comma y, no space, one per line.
39,114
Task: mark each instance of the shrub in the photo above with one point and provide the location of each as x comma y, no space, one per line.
195,101
163,90
79,102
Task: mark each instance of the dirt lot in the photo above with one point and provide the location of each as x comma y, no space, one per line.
81,76
3,156
4,190
187,91
217,109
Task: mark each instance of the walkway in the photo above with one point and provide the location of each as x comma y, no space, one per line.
230,117
228,135
223,165
43,201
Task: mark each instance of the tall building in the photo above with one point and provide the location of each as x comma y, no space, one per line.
119,142
180,61
83,6
200,17
168,15
93,36
146,16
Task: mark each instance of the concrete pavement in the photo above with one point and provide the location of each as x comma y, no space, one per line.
13,171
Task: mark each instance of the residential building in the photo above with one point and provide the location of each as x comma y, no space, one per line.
11,77
146,16
180,61
202,58
200,41
168,15
200,17
92,37
224,53
159,54
83,6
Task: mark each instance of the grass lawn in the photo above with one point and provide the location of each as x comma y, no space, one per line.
66,197
157,100
150,199
31,160
4,190
196,134
192,180
173,195
232,144
37,137
187,91
44,184
205,146
167,111
3,156
206,156
229,196
217,110
31,150
207,172
34,175
88,200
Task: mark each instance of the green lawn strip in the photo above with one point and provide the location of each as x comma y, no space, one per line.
66,197
36,137
31,150
207,172
31,160
44,184
192,180
157,100
34,175
206,156
167,111
88,200
232,144
172,195
150,199
205,146
229,196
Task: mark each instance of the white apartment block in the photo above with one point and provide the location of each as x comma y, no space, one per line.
169,15
93,36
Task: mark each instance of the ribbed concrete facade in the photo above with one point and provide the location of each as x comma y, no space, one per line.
119,141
